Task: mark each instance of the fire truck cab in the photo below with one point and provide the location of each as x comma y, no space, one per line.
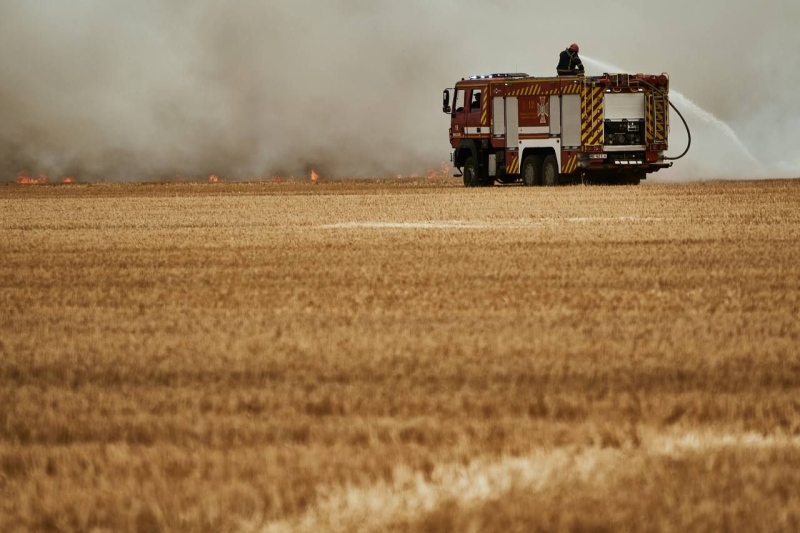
548,131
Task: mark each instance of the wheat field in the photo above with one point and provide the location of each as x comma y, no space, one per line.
400,355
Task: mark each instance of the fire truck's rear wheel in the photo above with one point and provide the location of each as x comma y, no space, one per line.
550,171
532,171
473,177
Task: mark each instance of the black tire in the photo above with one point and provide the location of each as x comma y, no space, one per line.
550,173
532,171
474,177
470,172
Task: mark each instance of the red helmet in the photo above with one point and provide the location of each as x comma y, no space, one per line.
575,47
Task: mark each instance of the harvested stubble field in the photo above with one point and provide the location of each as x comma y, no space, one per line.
400,355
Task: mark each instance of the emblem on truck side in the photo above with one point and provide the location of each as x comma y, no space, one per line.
544,109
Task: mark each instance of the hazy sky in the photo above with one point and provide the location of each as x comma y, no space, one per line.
133,90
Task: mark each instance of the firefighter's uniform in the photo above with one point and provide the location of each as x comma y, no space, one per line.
569,63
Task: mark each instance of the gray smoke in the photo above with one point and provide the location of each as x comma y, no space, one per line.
125,90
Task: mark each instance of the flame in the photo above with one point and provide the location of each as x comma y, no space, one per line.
440,174
277,179
213,178
22,177
68,179
314,176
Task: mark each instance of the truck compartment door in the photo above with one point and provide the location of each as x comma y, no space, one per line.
570,120
618,106
512,122
498,117
555,115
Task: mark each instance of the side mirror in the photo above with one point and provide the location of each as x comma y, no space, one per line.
446,101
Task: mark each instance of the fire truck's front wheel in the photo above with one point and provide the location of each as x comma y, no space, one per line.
550,171
472,177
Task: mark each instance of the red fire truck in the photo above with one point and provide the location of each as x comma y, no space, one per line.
547,131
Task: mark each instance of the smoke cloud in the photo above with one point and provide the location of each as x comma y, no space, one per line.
124,90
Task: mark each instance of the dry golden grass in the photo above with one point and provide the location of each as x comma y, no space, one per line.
400,355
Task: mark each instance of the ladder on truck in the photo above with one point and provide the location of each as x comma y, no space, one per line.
657,107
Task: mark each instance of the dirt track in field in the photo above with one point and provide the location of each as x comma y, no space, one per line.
400,354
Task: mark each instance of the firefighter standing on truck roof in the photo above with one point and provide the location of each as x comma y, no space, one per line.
569,63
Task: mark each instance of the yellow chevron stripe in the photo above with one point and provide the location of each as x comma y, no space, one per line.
510,166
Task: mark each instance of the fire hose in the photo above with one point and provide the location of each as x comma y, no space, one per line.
685,125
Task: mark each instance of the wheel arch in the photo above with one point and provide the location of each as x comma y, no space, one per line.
465,150
542,151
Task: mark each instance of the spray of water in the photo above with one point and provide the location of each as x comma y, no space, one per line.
690,107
